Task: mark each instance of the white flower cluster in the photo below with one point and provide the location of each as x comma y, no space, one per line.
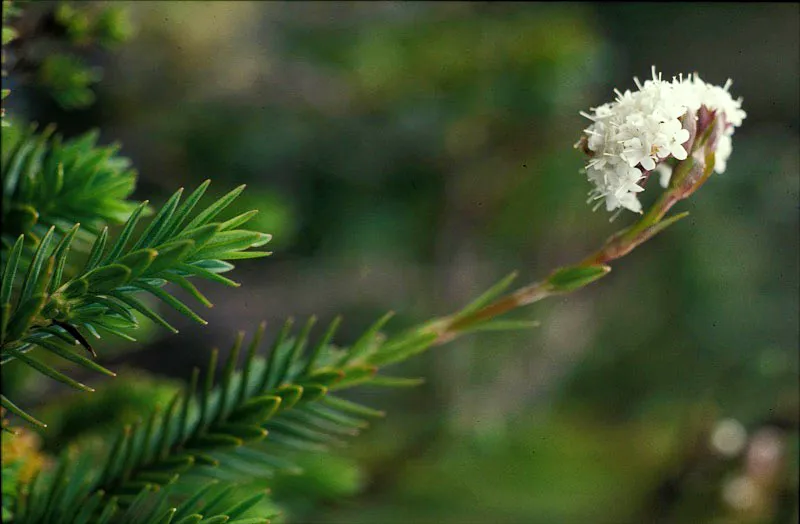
633,135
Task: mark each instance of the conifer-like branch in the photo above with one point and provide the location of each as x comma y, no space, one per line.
242,424
51,183
40,308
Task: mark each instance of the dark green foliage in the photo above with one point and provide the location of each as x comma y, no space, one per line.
52,55
69,80
108,25
51,183
238,427
43,309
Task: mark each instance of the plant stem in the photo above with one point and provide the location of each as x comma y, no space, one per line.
618,245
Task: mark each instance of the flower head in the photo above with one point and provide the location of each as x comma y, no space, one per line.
641,130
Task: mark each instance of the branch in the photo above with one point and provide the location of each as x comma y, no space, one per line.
41,310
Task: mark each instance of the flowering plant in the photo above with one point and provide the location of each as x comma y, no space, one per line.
257,416
652,128
681,129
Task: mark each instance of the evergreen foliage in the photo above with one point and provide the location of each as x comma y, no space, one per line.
68,278
51,183
80,260
44,309
242,424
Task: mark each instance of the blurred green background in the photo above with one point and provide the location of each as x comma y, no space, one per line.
407,155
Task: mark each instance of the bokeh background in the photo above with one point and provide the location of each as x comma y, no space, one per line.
407,155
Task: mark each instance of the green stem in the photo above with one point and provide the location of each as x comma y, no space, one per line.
618,245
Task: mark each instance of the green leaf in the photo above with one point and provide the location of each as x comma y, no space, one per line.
143,309
170,255
65,353
214,266
402,348
271,375
186,208
127,231
205,393
257,410
60,257
241,255
339,419
200,235
171,301
74,289
10,270
217,519
290,394
213,441
195,270
190,504
489,295
324,377
160,222
226,382
5,316
167,517
662,225
366,342
244,432
24,316
347,406
107,278
242,507
88,508
10,406
214,209
322,345
138,261
355,375
48,371
190,519
575,277
231,241
97,251
188,287
313,392
297,347
35,268
238,220
183,426
248,362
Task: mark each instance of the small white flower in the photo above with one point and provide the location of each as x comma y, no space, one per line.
638,152
637,132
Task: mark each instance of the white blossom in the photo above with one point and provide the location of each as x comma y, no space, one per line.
640,130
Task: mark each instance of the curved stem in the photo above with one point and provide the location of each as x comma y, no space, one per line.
618,245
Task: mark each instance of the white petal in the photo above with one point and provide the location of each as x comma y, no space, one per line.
678,152
648,163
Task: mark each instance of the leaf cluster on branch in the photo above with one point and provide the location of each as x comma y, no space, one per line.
41,308
67,278
240,425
